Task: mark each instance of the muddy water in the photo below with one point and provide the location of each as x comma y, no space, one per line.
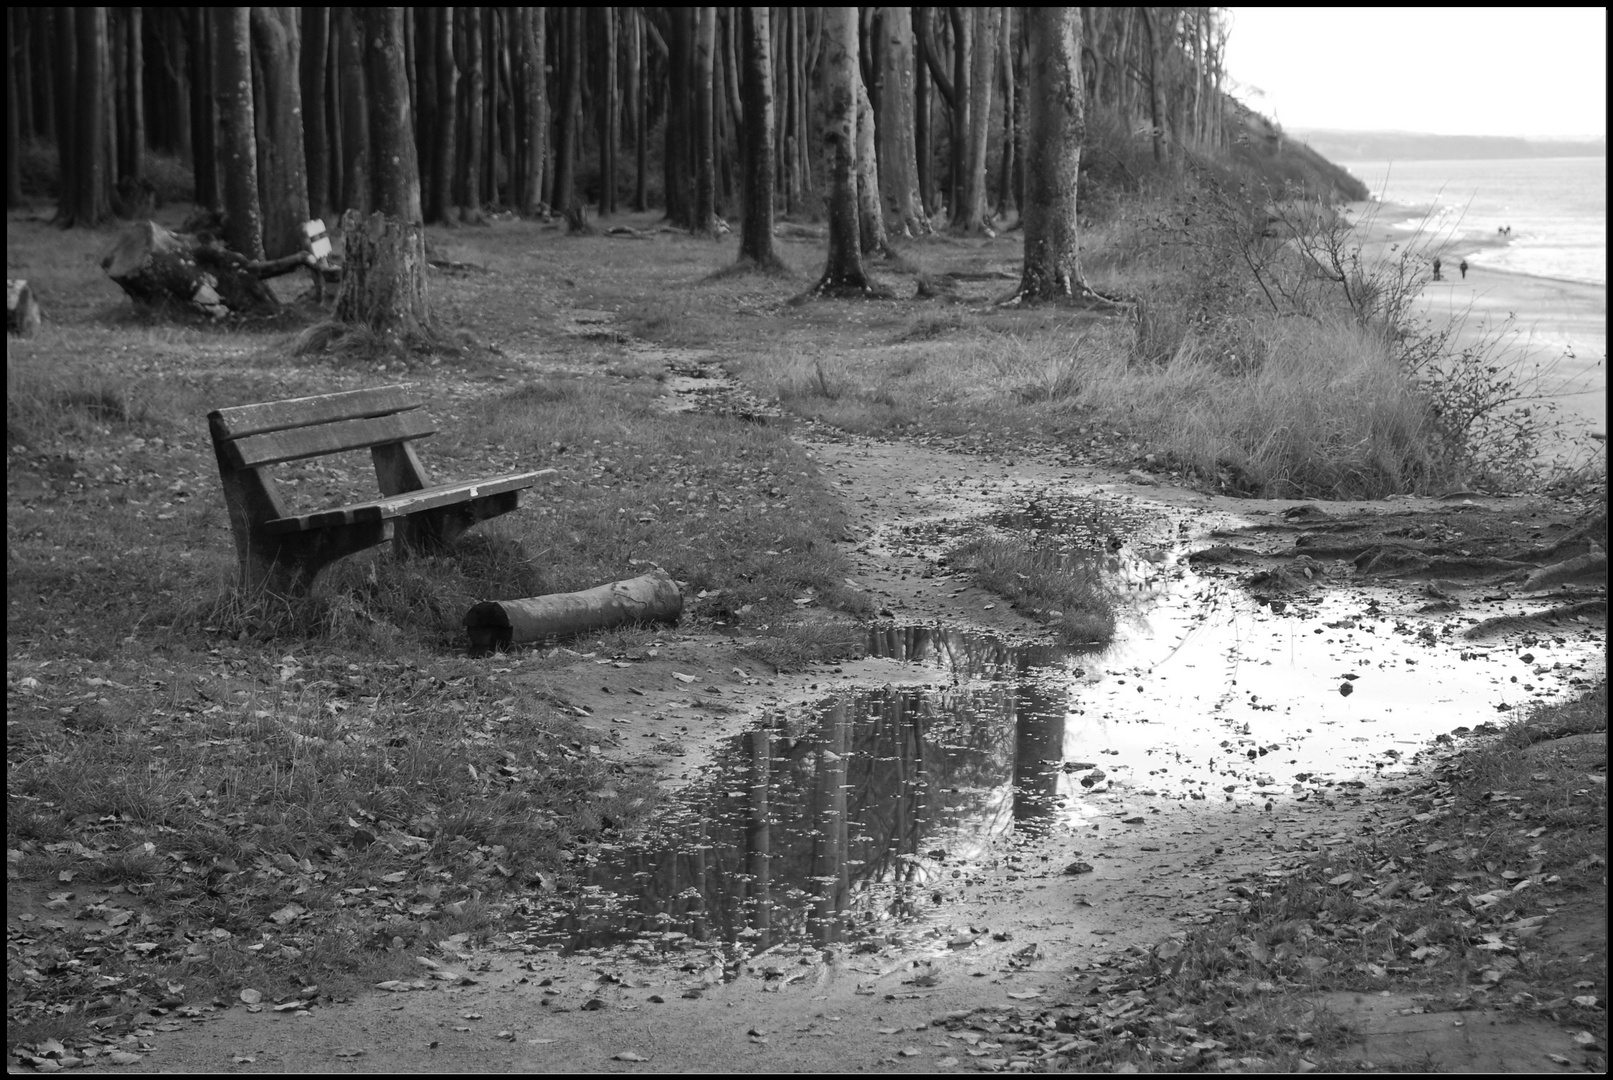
858,818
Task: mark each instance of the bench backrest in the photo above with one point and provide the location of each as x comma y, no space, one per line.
249,436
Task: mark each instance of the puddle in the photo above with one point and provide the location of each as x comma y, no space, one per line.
856,818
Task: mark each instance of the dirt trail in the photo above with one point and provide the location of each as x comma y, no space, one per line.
1017,928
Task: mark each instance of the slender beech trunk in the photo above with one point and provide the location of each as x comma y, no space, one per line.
535,93
899,169
1055,122
443,155
237,154
355,109
756,232
608,108
566,141
282,168
704,219
475,102
1006,200
315,133
1156,84
844,272
637,114
971,216
870,221
678,164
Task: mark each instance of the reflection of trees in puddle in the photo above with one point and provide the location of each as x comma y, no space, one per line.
830,825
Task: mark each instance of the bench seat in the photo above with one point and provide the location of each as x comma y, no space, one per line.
410,502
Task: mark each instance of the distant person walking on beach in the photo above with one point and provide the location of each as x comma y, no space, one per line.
1463,269
1436,268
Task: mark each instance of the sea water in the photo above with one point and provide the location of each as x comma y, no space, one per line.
1556,208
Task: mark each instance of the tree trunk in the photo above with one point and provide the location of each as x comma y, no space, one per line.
870,220
756,232
1006,201
963,100
566,141
396,187
134,143
203,107
475,89
898,155
237,152
423,22
971,212
844,272
282,169
1055,122
86,197
13,116
704,219
498,624
384,255
1156,84
535,125
803,105
443,158
384,281
678,162
922,128
635,106
356,163
609,110
315,132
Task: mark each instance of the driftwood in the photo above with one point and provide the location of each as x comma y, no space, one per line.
174,270
22,309
498,624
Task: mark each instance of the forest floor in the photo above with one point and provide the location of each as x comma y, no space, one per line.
1433,896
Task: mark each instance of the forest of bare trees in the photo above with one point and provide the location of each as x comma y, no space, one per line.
276,113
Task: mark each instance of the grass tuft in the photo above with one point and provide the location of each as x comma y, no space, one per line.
1064,588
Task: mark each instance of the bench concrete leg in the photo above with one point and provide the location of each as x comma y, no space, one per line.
433,531
287,564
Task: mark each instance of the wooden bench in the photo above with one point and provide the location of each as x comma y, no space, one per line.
282,551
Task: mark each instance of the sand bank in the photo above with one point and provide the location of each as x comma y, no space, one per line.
1560,324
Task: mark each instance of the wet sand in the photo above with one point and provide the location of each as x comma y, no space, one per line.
1559,324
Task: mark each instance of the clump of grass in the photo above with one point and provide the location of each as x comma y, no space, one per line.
42,406
1323,412
1063,587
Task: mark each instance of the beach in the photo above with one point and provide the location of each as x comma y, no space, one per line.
1560,325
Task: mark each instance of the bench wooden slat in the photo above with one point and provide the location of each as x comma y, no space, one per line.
240,421
410,502
291,444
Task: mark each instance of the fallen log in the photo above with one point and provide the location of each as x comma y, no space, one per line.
174,270
497,624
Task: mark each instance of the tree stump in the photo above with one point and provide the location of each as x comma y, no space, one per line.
22,309
384,279
498,624
178,271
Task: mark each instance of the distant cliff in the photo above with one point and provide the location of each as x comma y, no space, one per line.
1411,146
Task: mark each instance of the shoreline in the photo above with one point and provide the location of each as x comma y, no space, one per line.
1559,321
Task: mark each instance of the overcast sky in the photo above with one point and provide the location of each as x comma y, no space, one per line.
1446,71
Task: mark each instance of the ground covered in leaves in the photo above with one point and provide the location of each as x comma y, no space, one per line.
221,813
